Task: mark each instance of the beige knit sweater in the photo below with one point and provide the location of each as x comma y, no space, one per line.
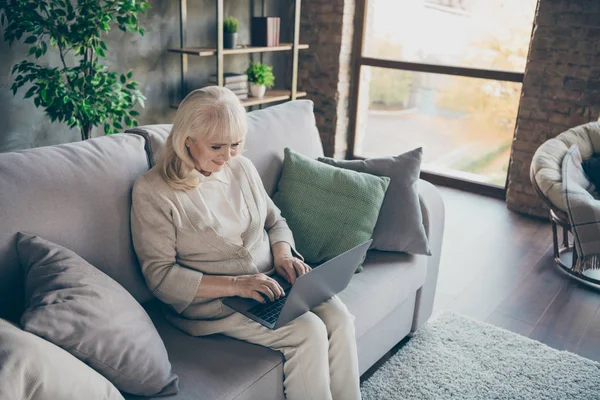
176,245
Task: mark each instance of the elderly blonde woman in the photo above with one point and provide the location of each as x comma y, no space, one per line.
204,228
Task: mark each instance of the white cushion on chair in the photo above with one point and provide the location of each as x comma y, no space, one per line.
547,160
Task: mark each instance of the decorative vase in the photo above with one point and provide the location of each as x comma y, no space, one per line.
257,90
230,40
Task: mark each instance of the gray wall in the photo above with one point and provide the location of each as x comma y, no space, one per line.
22,125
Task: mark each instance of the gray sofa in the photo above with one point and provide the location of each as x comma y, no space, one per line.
78,195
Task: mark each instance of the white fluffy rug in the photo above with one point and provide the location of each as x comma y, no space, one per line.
453,357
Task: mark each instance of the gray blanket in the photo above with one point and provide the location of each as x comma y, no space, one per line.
583,210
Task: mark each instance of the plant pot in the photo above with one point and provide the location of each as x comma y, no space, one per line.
230,40
257,90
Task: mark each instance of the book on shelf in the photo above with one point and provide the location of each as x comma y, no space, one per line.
265,31
236,85
274,34
229,77
243,96
239,91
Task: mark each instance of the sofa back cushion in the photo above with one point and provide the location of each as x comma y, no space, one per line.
327,222
77,195
290,124
271,130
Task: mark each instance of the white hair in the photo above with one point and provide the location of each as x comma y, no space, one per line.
214,113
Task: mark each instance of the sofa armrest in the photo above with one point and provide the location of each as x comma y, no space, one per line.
432,208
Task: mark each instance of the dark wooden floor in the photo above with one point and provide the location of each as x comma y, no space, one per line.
497,266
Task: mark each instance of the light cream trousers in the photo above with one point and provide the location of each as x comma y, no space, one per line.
319,348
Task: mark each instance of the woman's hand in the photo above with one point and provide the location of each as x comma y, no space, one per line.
290,267
255,286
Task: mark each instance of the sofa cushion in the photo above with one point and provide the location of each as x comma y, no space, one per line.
591,167
583,211
270,131
291,124
218,367
400,223
329,209
32,368
387,280
77,195
547,160
79,308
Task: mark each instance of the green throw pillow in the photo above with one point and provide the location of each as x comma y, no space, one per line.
329,210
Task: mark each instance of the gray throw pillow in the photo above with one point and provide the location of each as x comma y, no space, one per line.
82,310
32,368
330,210
400,223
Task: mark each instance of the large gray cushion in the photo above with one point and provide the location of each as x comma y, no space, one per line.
291,124
218,367
32,368
82,310
77,195
400,223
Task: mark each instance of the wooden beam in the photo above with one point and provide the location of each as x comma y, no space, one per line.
182,43
220,64
360,19
207,51
444,69
295,47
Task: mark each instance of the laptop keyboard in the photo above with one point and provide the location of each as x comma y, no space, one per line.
270,310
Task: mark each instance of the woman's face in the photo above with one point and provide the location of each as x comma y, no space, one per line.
210,156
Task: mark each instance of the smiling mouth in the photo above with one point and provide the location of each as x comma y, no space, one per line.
219,162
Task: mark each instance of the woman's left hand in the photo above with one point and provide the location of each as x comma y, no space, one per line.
290,267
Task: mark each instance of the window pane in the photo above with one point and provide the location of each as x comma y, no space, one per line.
465,125
486,34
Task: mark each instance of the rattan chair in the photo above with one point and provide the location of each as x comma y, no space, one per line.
546,178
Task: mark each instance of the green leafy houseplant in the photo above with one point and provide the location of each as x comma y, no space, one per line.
230,25
261,74
85,94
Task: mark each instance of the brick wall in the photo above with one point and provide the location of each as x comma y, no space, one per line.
324,69
561,88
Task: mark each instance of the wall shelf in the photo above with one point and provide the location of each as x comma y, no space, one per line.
207,52
270,97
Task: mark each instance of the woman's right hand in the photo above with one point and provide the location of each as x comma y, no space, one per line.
257,285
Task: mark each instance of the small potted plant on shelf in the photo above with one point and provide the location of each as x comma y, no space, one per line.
260,77
230,27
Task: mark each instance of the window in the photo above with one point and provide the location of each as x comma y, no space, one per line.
445,75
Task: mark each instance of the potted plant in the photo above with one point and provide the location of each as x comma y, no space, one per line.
80,91
230,27
260,77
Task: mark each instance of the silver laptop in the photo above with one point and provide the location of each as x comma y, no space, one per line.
308,291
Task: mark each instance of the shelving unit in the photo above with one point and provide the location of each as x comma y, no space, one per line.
207,52
271,95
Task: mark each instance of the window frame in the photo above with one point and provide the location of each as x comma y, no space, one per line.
359,61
